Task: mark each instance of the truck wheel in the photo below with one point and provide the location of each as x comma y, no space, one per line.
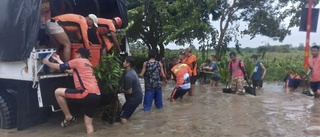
7,111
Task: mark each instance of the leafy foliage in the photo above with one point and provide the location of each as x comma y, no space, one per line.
223,69
160,22
264,17
250,65
109,73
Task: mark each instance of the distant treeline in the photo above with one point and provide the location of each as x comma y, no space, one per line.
273,48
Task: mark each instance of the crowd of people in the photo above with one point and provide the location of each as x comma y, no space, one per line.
87,93
183,71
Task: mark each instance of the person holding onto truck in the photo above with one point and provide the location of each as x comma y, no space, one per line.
132,90
86,94
106,26
237,71
191,61
182,73
58,25
151,71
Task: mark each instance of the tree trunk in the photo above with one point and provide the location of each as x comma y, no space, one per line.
161,54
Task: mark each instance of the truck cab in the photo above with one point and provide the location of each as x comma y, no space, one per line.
26,89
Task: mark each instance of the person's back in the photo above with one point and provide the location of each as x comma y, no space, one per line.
152,76
182,74
83,68
136,96
105,26
71,22
257,72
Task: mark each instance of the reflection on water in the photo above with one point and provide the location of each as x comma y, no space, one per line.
210,113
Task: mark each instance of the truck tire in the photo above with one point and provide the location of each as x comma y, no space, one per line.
7,111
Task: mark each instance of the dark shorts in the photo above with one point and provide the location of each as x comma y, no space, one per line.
315,86
178,92
257,83
193,79
74,93
88,104
293,83
215,77
128,109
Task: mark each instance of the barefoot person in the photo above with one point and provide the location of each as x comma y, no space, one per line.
86,94
182,74
132,90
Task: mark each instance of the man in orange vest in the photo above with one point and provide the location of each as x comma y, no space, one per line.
182,73
106,26
191,61
78,24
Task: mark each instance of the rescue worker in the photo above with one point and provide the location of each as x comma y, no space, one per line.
106,26
58,25
191,61
182,73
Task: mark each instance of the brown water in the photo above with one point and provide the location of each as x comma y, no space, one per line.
210,113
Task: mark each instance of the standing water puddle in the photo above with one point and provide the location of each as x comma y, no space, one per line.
210,113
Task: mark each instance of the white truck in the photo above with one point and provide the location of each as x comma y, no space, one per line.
26,92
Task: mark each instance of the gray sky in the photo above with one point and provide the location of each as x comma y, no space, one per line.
294,39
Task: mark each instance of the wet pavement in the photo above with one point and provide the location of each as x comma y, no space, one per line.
210,113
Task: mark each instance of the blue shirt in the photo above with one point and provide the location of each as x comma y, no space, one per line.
214,67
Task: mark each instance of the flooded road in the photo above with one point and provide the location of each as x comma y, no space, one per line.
210,113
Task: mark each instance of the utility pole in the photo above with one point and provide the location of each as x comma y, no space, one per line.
307,48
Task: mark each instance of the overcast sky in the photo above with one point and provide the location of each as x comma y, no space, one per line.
294,39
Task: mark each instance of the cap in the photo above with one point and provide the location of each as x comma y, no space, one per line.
94,19
181,53
254,56
84,52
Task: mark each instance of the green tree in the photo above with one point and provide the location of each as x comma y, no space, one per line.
160,22
264,17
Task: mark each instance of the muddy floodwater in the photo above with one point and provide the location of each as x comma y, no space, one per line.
210,113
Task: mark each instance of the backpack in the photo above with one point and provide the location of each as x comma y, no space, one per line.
239,65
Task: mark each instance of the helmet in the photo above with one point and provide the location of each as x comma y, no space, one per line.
118,21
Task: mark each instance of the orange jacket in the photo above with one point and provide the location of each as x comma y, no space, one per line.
179,71
74,23
105,26
191,61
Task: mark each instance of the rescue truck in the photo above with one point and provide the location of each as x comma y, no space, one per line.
26,90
